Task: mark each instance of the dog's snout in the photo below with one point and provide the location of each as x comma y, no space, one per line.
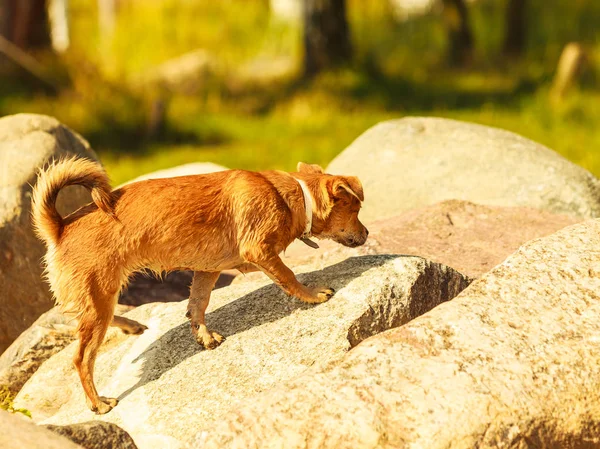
367,231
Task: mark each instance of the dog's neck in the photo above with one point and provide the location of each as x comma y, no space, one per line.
308,208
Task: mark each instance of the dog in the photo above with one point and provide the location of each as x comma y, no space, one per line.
206,223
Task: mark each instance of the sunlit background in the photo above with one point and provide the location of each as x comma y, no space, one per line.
157,83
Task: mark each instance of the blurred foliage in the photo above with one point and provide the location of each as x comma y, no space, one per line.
259,121
7,398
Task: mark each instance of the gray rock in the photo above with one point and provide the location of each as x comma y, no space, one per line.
49,334
27,143
169,388
413,162
95,435
173,286
146,287
512,362
19,432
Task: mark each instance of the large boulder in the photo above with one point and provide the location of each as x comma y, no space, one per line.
413,162
19,432
169,388
27,143
470,238
512,362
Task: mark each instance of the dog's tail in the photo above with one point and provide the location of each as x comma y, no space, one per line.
47,221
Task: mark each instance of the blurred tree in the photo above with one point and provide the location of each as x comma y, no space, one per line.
24,26
107,18
326,36
460,37
514,37
25,23
570,64
286,10
59,24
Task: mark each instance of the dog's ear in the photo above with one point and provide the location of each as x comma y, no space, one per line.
309,168
348,186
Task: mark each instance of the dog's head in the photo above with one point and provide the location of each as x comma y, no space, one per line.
338,200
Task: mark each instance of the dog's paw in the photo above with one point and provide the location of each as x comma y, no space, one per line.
210,340
105,405
207,339
134,328
321,294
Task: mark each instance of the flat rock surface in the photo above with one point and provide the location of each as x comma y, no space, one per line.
169,388
416,161
512,362
468,237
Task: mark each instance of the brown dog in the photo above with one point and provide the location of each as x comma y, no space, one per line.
206,223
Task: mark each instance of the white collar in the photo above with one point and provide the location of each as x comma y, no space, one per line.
308,207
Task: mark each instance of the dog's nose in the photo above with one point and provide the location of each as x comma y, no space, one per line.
367,231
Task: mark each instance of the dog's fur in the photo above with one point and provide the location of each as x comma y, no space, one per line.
206,223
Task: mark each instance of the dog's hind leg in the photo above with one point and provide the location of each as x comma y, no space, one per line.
92,329
202,285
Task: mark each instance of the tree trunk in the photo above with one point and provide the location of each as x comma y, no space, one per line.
460,37
569,68
25,23
286,10
5,17
107,19
514,38
326,35
59,24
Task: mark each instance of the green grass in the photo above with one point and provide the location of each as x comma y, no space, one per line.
398,70
6,402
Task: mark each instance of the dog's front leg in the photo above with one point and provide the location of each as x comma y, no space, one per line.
202,285
274,267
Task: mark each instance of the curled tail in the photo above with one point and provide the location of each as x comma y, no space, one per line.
47,221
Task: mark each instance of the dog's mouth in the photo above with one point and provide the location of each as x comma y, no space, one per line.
351,242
